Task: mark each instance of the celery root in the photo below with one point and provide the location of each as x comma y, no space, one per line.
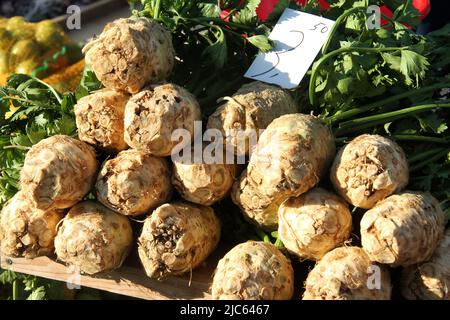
404,229
253,271
314,223
100,118
429,280
130,53
134,182
93,238
152,116
176,238
58,172
252,108
26,231
369,169
345,274
291,156
203,183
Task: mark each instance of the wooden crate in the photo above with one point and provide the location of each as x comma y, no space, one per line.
129,280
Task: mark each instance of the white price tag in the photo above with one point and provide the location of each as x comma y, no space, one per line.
298,38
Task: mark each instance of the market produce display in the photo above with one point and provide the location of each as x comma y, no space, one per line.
369,169
342,274
403,229
100,117
203,183
134,182
130,53
153,115
177,237
253,270
314,223
89,176
58,172
290,157
25,230
251,109
429,280
93,238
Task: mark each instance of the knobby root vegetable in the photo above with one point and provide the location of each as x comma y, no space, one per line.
153,115
134,183
404,229
253,271
252,108
93,238
290,157
314,223
346,273
203,183
58,172
100,119
26,231
176,238
130,53
369,169
429,280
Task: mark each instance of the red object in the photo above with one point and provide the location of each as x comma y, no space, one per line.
225,14
423,6
267,6
387,12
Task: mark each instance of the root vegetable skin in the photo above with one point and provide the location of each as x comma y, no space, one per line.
130,53
26,231
369,169
404,229
93,238
58,172
134,183
177,238
100,119
314,223
253,271
152,116
203,183
290,157
252,108
343,274
429,280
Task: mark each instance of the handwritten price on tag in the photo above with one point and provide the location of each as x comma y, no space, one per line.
298,37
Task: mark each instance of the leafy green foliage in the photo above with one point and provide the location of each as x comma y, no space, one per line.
89,83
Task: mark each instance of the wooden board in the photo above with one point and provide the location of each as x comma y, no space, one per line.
129,280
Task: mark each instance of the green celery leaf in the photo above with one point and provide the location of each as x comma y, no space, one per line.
216,54
432,123
245,17
210,9
261,42
37,294
66,126
36,132
21,140
413,64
